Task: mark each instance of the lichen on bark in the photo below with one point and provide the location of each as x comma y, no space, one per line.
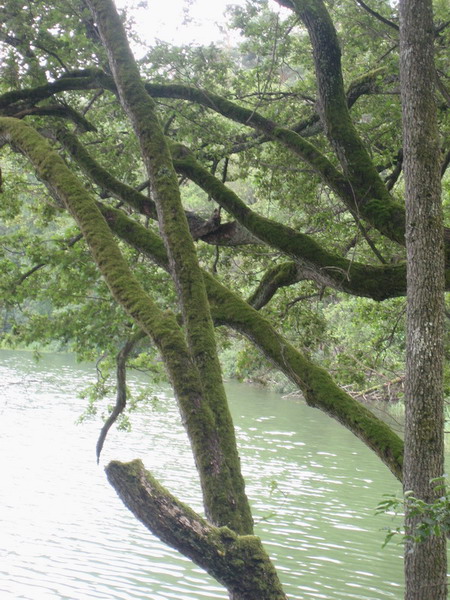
239,562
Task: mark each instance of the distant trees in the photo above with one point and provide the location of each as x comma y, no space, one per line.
303,158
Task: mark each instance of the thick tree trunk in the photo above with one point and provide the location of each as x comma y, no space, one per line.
425,563
216,456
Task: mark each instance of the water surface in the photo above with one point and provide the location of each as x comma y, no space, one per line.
64,534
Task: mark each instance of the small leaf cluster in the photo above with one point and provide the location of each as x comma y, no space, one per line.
432,518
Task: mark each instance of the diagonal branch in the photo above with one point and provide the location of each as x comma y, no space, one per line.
362,198
316,385
377,15
324,267
209,231
240,563
374,202
161,326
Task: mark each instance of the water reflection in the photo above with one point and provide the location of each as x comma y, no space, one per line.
65,535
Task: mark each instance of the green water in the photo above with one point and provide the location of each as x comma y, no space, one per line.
65,535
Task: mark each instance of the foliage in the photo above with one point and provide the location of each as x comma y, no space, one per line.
258,188
433,517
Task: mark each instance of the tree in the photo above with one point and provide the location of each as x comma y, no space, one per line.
425,563
67,67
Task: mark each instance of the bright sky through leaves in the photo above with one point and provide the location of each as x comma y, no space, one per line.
179,21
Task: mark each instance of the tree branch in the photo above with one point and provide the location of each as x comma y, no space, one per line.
56,110
121,397
378,16
374,202
325,268
160,325
209,231
316,385
240,563
384,214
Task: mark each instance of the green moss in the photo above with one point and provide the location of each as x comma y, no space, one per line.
103,178
216,455
318,388
220,465
378,283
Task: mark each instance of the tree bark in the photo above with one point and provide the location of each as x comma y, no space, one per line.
318,388
426,562
222,483
239,562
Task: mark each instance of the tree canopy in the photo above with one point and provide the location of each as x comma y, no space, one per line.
257,188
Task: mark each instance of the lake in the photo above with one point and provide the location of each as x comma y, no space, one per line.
64,534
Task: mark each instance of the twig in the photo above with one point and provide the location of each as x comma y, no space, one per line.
121,397
378,16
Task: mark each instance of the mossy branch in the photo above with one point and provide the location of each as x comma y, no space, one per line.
361,189
315,383
227,234
52,110
74,80
161,326
374,202
316,263
240,563
317,386
228,504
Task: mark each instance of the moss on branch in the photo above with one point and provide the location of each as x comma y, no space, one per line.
229,497
240,563
362,199
103,178
216,474
317,386
324,267
76,80
227,234
374,202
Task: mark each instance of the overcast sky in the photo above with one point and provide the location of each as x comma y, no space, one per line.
179,21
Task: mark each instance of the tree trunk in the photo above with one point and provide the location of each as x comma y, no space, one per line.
208,419
426,562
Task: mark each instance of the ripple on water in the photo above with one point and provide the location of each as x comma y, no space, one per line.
64,534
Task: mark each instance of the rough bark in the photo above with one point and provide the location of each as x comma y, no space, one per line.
425,563
319,389
224,490
240,563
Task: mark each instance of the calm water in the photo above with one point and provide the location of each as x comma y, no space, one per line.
64,534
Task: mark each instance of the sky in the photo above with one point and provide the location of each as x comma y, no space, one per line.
179,21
